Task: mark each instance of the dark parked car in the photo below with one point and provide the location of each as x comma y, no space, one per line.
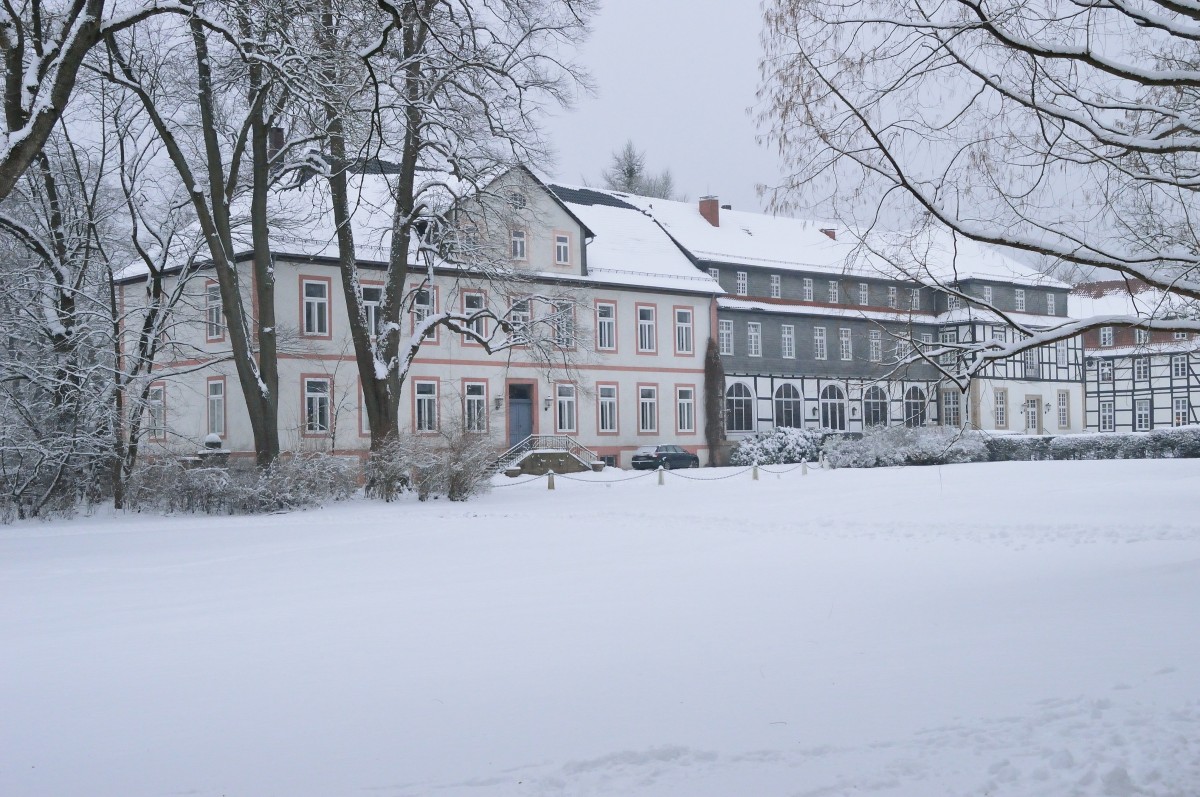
651,457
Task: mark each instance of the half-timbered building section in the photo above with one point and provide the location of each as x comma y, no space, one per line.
1137,379
607,325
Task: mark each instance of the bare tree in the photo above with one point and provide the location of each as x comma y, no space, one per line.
1067,131
443,98
628,173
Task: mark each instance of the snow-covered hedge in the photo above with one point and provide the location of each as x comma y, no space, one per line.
1181,442
1018,447
781,446
292,482
900,445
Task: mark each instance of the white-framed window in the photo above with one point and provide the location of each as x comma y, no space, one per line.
787,342
864,294
1033,415
833,408
715,274
915,404
1051,304
847,344
875,406
987,293
1141,336
214,321
606,326
998,334
685,409
1141,368
875,346
562,249
372,297
1179,366
952,302
951,408
565,415
948,337
647,408
739,408
564,324
316,405
1181,412
475,416
914,298
789,407
807,289
520,316
1180,335
1000,407
725,336
606,407
1106,370
743,283
776,287
647,329
683,331
216,406
754,339
1108,417
834,296
422,308
1019,299
1141,415
473,302
1064,409
1106,336
1032,365
926,339
903,348
518,244
1060,353
892,296
156,412
316,307
819,351
426,400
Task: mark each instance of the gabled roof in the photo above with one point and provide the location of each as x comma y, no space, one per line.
1129,297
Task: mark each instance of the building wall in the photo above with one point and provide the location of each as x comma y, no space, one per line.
1158,383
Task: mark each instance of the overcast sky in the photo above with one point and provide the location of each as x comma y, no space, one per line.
676,76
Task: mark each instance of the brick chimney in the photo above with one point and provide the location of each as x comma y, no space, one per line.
710,209
831,232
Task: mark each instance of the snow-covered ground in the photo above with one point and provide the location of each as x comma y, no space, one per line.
1007,629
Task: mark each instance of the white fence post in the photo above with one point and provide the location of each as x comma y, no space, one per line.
549,480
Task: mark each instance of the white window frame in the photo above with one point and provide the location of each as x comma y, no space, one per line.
425,405
776,286
606,326
1181,411
475,407
562,249
715,274
685,409
214,319
834,292
743,283
1105,371
753,339
1179,366
564,324
892,296
647,409
606,408
1106,336
987,294
318,405
422,310
875,346
479,325
1141,337
1060,353
1108,416
1141,368
1142,412
948,336
787,341
807,294
951,408
371,306
316,308
952,302
1179,335
520,316
725,337
156,412
820,350
1064,409
1051,304
1000,407
846,343
864,294
647,329
684,322
519,241
566,408
215,400
1019,300
914,298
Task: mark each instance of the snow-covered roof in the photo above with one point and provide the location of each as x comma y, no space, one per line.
1129,297
901,317
629,248
965,315
758,239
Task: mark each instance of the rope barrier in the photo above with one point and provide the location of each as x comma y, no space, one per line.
645,473
641,475
707,479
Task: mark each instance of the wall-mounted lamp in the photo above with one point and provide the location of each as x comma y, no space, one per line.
814,412
498,403
854,412
546,402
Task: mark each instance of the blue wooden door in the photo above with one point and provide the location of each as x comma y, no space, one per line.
520,420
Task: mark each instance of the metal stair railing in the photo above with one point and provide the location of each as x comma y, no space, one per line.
548,442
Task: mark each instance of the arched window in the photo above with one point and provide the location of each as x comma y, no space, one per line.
914,407
739,408
875,406
833,408
789,409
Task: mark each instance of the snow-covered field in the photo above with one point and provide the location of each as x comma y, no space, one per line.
1007,629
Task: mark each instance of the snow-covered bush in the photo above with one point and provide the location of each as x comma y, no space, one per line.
291,482
781,446
1018,447
1182,442
455,464
900,445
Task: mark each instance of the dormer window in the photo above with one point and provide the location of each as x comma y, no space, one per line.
1020,300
